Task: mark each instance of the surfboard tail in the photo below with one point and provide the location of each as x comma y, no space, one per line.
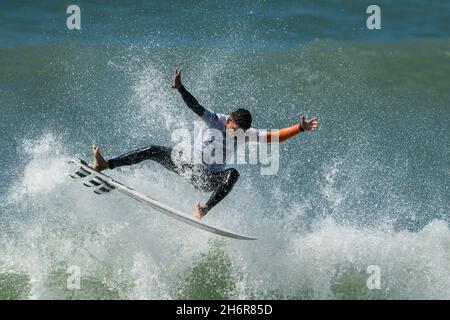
99,185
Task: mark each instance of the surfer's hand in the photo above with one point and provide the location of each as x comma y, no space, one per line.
309,125
176,83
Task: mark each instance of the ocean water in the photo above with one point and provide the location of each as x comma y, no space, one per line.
370,187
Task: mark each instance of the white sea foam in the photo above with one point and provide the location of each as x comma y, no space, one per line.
127,251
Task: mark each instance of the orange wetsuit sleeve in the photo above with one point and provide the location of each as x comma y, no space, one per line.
282,134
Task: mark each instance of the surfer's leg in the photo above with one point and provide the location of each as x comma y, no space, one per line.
223,182
162,155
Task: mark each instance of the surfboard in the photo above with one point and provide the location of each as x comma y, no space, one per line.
101,184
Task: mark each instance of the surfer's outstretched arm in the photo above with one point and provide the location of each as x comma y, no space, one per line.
210,117
289,132
188,98
191,102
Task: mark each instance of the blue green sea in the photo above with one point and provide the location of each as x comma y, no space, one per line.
371,187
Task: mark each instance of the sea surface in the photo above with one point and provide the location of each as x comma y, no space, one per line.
371,187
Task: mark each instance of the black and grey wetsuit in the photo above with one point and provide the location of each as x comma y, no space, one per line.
205,176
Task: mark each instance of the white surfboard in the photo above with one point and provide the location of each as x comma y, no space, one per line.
102,183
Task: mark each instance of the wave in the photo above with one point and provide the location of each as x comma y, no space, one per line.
126,251
362,191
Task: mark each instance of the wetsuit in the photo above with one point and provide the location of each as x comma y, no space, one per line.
202,176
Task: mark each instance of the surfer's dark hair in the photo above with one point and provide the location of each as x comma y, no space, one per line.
242,117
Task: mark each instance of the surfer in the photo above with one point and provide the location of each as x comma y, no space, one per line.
205,176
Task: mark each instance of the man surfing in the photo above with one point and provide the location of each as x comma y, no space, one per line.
208,176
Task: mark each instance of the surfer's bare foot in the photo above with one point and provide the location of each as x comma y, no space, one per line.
99,162
200,211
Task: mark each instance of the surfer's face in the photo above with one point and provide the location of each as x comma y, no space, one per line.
231,125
